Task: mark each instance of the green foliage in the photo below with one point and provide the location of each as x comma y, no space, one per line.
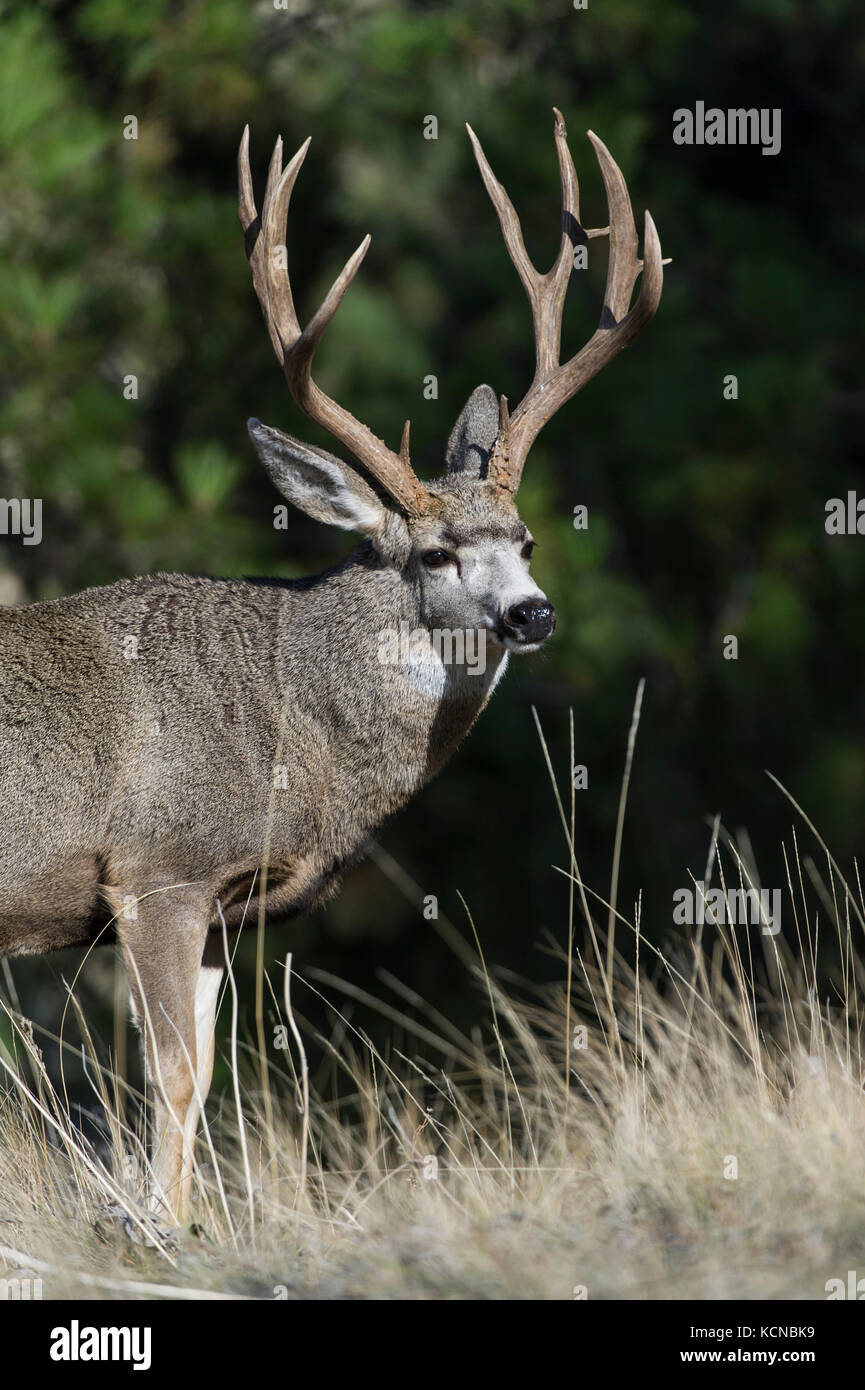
123,258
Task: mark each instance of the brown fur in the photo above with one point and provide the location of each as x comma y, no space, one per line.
144,728
255,723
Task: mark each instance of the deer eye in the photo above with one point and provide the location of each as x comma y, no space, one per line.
528,550
435,559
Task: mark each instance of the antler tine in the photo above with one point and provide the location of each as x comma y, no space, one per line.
294,346
546,293
252,225
554,383
617,327
274,216
624,264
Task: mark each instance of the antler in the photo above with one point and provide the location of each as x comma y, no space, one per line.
264,240
555,382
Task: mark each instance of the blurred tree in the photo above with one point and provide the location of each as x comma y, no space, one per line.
122,258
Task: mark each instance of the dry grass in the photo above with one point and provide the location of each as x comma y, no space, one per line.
485,1166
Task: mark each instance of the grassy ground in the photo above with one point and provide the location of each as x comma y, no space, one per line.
681,1125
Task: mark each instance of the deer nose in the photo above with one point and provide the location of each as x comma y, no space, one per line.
530,621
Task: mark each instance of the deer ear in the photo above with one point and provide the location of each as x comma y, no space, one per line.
318,483
474,434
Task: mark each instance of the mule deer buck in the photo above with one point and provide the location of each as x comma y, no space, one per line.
165,739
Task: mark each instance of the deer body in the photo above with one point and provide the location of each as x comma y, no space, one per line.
170,744
225,723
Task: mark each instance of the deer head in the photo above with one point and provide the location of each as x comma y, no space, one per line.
458,540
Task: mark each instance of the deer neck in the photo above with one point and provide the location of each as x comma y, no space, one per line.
392,697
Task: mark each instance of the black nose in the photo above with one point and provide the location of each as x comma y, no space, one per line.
530,621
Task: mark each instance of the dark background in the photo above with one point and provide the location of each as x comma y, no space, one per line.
706,515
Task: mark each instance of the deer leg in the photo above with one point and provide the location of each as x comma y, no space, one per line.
163,944
210,973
